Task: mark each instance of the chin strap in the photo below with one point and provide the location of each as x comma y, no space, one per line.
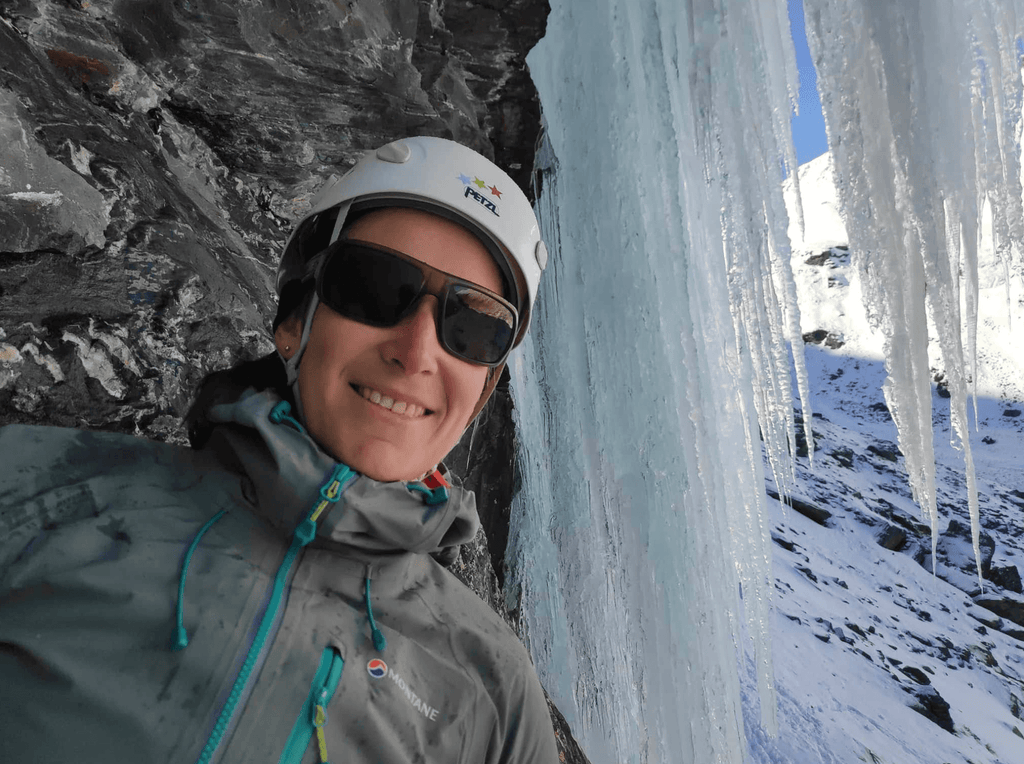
291,365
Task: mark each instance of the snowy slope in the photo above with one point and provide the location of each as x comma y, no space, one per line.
869,646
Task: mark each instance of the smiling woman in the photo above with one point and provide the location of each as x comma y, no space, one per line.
403,398
313,473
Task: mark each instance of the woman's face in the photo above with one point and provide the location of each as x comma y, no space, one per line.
347,365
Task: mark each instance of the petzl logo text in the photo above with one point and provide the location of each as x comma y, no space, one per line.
482,199
377,668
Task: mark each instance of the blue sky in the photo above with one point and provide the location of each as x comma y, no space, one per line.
809,127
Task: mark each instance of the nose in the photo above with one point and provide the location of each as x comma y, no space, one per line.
414,345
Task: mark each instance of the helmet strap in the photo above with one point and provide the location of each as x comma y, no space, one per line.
291,365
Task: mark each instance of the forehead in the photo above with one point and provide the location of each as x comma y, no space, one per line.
432,239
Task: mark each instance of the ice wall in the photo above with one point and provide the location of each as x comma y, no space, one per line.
922,105
659,357
659,350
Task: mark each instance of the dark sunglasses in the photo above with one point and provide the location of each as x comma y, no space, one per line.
378,286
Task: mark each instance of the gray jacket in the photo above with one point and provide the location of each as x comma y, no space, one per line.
165,604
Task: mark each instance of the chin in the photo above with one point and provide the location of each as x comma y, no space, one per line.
390,474
384,465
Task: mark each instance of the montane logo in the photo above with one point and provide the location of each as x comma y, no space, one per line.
418,703
377,668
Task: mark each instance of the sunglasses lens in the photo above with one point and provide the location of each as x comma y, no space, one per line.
379,288
370,286
475,326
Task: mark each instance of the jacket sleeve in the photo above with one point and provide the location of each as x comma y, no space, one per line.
42,485
530,736
20,520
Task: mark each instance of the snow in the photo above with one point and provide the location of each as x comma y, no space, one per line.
654,396
846,700
46,198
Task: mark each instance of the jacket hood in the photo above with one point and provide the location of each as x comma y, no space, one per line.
286,470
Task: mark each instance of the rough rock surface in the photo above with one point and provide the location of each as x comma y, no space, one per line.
154,155
805,508
955,548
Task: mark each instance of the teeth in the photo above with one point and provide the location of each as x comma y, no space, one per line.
398,407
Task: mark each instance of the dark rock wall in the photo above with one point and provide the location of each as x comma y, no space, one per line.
154,155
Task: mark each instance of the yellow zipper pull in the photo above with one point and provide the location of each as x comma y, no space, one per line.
319,720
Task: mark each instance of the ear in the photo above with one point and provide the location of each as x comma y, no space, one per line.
287,336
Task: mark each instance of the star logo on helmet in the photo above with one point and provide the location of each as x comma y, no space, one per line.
479,183
466,180
495,191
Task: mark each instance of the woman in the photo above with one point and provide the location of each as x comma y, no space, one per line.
271,594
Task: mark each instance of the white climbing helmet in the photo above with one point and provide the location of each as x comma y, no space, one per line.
439,176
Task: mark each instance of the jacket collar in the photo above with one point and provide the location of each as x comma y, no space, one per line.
287,470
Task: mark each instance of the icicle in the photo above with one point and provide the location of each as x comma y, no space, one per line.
922,102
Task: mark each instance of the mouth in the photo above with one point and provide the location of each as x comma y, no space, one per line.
395,406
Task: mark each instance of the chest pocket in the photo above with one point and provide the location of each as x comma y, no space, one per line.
411,706
313,715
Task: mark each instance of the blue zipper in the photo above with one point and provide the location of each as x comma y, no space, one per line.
304,533
313,715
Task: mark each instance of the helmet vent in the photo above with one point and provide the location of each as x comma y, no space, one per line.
396,153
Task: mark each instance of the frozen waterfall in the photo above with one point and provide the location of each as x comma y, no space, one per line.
660,357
